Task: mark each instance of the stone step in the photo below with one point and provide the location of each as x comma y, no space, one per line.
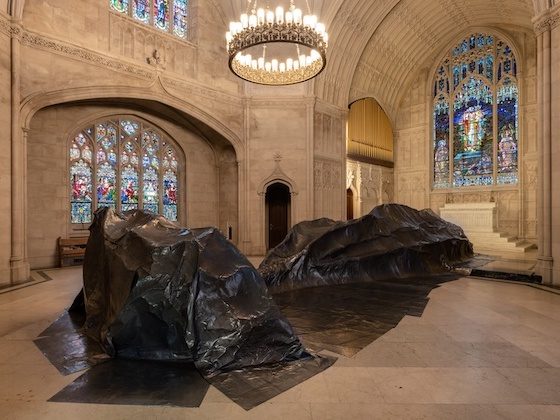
496,241
526,245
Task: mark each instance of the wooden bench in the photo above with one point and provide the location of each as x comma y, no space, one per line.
71,251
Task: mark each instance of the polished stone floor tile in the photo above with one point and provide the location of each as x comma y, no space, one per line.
481,350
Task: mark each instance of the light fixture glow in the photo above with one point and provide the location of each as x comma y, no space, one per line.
277,30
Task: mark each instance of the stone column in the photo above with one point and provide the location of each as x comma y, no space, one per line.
5,145
548,59
19,266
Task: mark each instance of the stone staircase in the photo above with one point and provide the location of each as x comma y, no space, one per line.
496,242
479,222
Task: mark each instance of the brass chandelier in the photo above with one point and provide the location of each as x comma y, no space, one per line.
277,47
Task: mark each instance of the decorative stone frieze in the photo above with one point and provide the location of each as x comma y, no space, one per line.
39,41
548,20
5,26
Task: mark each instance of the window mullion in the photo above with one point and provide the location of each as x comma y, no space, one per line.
451,136
118,199
94,168
171,20
160,177
495,135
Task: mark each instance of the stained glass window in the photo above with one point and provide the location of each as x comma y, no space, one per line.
119,5
473,143
141,10
441,143
106,181
170,183
166,15
507,132
476,119
80,180
161,14
180,18
123,164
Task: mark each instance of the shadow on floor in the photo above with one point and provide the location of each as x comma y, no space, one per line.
342,319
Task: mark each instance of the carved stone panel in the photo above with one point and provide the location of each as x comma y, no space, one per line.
327,189
137,42
329,136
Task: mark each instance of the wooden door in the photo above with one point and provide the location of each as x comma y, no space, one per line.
278,207
349,204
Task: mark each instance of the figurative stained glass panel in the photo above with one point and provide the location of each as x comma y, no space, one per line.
81,201
170,196
130,127
507,132
482,69
119,5
80,140
150,142
141,10
87,154
441,143
101,156
106,185
106,135
127,173
150,190
473,135
129,188
112,157
75,152
161,14
180,18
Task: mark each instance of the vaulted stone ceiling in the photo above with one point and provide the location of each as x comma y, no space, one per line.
414,35
233,8
378,46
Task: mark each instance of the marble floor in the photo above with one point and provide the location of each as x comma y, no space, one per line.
482,350
510,263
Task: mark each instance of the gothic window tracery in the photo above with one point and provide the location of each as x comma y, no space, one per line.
475,115
171,16
124,164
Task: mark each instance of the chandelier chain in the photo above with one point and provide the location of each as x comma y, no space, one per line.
251,6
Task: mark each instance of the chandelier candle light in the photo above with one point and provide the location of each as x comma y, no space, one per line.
277,47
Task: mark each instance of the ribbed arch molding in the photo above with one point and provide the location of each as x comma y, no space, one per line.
414,33
378,47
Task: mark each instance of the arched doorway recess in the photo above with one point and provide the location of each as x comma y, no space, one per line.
278,210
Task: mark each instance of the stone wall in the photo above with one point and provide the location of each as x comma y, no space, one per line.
329,151
277,151
5,157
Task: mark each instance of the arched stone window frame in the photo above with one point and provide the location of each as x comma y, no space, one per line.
167,141
435,94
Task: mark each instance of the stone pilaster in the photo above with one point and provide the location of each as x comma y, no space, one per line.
548,58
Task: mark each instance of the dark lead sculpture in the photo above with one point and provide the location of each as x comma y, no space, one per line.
155,291
391,242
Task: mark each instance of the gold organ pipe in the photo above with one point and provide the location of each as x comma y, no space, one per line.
369,131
